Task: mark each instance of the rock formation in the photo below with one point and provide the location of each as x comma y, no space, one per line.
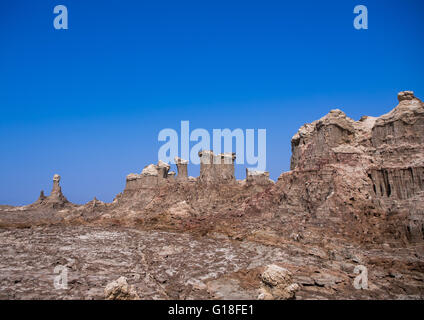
120,290
354,195
363,178
277,284
216,168
151,176
182,169
162,169
257,177
56,199
171,174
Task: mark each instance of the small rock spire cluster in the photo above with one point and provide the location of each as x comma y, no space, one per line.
213,169
56,197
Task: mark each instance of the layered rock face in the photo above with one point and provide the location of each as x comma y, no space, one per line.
56,199
216,168
257,177
371,167
360,178
397,173
151,176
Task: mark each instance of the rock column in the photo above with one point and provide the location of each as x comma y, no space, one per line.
182,169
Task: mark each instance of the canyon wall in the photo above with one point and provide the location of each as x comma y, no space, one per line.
341,168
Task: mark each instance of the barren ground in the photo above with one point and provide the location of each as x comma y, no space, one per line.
164,265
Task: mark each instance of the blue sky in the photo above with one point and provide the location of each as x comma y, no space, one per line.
88,102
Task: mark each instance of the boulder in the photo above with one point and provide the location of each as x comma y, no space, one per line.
120,290
277,284
150,170
257,177
182,169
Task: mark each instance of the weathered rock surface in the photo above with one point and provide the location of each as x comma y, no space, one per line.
120,290
278,284
167,265
371,171
216,168
182,169
257,177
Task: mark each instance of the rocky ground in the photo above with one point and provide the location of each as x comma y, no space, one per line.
165,265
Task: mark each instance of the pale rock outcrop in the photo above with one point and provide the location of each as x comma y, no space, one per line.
401,127
56,199
180,210
133,176
406,95
171,174
151,176
133,181
257,177
363,179
41,198
163,169
312,144
182,169
120,290
56,193
225,168
207,172
277,284
150,170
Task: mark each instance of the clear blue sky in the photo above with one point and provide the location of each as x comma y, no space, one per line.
89,102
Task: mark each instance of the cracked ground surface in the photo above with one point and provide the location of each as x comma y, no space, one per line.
165,265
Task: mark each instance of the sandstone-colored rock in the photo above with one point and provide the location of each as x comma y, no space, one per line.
150,170
355,193
216,168
171,174
180,210
133,176
406,95
257,177
275,275
120,290
264,294
56,199
182,169
162,164
296,236
178,160
278,284
162,169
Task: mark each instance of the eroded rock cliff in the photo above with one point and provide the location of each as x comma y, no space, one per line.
363,169
354,195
